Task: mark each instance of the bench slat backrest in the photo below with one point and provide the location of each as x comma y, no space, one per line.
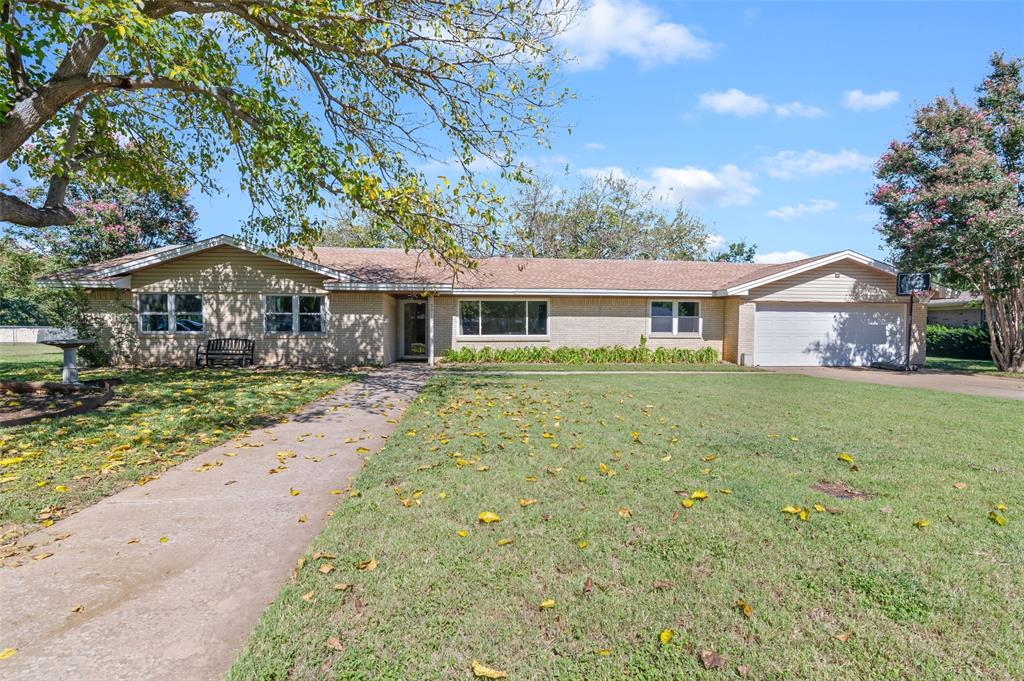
230,345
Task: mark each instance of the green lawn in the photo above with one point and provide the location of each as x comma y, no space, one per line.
17,353
969,366
857,591
158,418
638,367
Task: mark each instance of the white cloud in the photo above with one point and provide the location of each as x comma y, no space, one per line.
778,257
594,146
632,29
798,109
812,207
715,242
858,100
787,165
728,186
735,102
738,103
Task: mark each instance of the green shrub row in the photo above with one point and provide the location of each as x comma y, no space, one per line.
964,342
617,354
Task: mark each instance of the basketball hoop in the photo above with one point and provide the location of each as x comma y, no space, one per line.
924,295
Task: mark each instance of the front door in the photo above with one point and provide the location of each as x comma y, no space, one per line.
414,328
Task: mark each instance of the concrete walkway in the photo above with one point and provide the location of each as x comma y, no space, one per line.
946,381
183,608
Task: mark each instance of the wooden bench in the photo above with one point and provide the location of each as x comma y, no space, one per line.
226,351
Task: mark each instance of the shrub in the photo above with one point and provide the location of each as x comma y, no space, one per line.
616,354
964,342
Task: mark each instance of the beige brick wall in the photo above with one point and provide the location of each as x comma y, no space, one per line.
361,327
582,321
745,325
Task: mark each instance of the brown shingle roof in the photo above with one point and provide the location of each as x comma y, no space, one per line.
382,266
379,266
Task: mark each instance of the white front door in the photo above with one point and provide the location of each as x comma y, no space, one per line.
829,334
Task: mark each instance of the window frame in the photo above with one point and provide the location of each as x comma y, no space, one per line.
294,331
499,337
699,333
171,313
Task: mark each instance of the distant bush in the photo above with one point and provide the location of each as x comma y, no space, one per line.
617,354
964,342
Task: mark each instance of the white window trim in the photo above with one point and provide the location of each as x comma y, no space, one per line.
295,314
675,319
171,312
459,336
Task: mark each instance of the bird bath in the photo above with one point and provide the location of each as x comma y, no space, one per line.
70,347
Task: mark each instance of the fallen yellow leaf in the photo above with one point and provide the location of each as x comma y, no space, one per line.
504,541
699,495
921,523
489,517
625,513
527,502
368,565
687,503
666,636
484,672
7,653
843,456
547,603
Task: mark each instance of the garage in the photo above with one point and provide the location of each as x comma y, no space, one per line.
831,334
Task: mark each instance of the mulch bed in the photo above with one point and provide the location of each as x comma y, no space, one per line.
25,402
839,490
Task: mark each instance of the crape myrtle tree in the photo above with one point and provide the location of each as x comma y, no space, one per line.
319,104
952,201
112,221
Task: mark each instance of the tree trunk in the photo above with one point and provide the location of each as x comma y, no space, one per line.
1004,312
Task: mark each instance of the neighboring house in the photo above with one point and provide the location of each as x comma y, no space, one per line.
964,309
344,306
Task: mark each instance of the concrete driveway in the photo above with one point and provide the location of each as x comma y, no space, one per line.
950,382
167,580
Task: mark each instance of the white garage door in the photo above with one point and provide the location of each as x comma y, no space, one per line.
829,334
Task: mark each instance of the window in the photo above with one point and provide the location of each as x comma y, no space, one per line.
503,317
177,312
295,314
675,317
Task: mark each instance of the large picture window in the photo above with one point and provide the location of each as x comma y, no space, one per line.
176,312
295,314
503,317
675,317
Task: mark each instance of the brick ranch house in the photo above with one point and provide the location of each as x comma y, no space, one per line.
345,306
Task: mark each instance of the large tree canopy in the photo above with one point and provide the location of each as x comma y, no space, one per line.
318,103
952,200
607,217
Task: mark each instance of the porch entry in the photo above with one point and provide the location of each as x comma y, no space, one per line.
414,329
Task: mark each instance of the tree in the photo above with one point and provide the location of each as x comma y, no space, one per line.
952,201
359,233
736,251
111,222
320,104
22,301
607,217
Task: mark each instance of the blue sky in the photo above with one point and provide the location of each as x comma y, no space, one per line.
764,118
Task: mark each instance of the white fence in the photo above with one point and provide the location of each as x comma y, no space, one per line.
32,334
